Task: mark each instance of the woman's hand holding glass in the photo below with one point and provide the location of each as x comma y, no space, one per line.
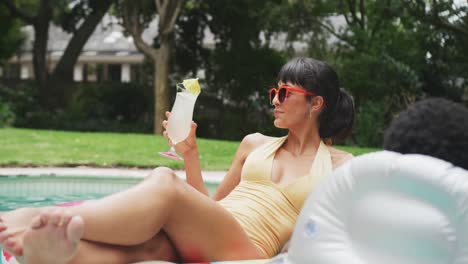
186,146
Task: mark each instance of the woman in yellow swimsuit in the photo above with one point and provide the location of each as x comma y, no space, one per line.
252,214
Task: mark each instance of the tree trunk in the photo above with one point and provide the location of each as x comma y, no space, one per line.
40,53
168,12
62,76
41,33
161,83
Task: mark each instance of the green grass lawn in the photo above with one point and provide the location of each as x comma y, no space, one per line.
32,147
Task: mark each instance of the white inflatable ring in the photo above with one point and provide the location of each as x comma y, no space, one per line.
385,208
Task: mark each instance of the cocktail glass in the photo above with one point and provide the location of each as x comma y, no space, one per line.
180,120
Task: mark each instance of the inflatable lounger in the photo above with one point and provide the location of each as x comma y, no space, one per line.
7,259
385,208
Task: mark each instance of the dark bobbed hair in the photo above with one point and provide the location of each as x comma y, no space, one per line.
435,127
337,118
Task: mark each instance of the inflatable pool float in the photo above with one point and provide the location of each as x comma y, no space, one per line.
385,208
7,258
259,261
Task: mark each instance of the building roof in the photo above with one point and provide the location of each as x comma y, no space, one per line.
109,44
108,36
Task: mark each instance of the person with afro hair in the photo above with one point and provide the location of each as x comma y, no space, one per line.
435,127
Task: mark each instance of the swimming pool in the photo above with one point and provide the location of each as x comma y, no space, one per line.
36,191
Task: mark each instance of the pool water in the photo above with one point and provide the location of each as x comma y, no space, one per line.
35,191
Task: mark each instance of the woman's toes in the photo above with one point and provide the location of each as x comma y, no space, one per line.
13,247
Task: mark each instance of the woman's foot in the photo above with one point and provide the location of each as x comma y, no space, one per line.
13,224
52,238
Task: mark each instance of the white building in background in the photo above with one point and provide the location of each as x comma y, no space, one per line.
108,55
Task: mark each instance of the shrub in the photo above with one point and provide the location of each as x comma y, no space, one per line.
117,107
24,101
126,102
7,117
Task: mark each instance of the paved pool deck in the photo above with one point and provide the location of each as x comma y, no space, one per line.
208,176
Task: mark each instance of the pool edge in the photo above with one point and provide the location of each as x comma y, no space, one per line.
208,176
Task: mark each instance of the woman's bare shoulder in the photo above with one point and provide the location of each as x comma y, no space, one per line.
256,139
338,156
248,144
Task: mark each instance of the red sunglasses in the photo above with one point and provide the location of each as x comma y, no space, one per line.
283,92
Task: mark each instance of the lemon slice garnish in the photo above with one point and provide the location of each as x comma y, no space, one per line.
192,85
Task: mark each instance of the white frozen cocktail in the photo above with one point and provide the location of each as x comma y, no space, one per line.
180,120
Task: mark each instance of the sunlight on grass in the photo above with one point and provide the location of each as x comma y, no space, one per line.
31,147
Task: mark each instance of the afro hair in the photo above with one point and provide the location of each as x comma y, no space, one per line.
435,127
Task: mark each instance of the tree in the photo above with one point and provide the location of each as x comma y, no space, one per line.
244,64
443,27
135,17
80,19
10,35
389,53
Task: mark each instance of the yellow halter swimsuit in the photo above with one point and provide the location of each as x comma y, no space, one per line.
266,211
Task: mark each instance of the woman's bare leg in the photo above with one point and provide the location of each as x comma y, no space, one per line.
52,238
55,239
158,248
199,227
124,218
202,230
132,216
12,227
